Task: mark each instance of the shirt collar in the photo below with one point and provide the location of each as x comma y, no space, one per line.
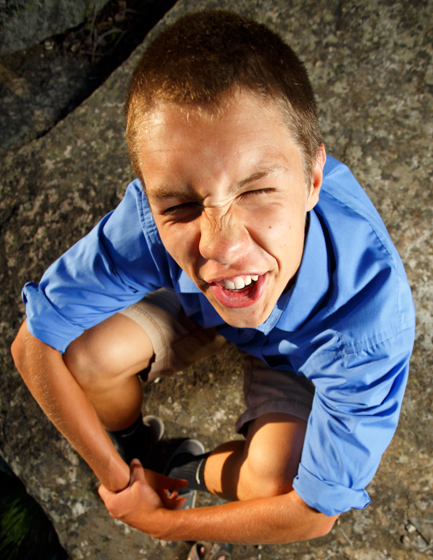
186,285
311,284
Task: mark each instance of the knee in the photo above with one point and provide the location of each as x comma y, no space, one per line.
272,455
266,477
114,349
85,364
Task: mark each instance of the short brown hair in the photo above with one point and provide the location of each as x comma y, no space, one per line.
205,56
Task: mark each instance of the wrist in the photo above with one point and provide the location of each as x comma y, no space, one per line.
164,520
114,474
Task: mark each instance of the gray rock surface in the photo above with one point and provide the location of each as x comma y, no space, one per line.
26,22
41,85
371,64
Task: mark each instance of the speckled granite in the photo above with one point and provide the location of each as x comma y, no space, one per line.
26,22
371,64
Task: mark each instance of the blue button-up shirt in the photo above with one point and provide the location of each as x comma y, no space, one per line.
346,324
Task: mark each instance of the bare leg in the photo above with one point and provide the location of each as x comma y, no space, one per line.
263,465
105,360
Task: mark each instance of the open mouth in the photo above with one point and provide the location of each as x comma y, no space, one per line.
238,291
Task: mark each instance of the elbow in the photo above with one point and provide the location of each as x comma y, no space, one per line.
314,528
21,350
17,349
321,526
313,524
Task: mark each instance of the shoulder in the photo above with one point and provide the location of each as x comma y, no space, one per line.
370,296
343,198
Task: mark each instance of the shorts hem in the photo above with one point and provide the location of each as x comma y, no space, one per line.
281,405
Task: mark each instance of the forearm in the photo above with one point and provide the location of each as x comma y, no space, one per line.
280,519
63,401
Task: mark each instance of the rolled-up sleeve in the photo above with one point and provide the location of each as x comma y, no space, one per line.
106,271
353,419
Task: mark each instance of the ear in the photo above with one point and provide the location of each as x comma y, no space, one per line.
316,178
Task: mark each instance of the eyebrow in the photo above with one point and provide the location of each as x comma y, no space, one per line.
163,192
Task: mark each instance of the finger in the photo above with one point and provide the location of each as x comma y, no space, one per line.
172,483
176,483
179,503
173,503
164,483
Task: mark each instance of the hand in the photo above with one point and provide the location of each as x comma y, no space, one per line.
148,495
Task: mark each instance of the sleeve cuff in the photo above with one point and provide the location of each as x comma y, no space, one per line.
42,316
327,497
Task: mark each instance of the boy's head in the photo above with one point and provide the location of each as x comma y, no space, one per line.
222,131
204,58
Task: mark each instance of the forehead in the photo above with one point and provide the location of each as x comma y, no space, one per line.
244,136
240,107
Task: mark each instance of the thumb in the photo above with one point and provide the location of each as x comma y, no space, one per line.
137,472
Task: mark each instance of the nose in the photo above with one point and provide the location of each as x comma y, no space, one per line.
223,238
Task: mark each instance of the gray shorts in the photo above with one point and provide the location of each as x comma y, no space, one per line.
178,342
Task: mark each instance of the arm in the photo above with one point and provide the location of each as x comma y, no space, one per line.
61,398
280,519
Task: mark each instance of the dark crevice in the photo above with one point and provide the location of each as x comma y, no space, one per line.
41,85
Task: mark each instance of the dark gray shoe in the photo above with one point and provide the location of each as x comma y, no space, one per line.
193,447
156,427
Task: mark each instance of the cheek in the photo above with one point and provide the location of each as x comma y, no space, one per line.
284,242
181,241
277,232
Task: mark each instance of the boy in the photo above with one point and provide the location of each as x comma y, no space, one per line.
238,228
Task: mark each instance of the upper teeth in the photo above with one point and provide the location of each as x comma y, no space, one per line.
238,283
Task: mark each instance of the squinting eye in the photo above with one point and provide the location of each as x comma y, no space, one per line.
258,191
182,211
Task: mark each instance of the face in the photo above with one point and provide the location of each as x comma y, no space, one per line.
229,198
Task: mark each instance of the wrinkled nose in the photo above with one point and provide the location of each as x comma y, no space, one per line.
222,239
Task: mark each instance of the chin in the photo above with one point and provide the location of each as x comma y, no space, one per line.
241,319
